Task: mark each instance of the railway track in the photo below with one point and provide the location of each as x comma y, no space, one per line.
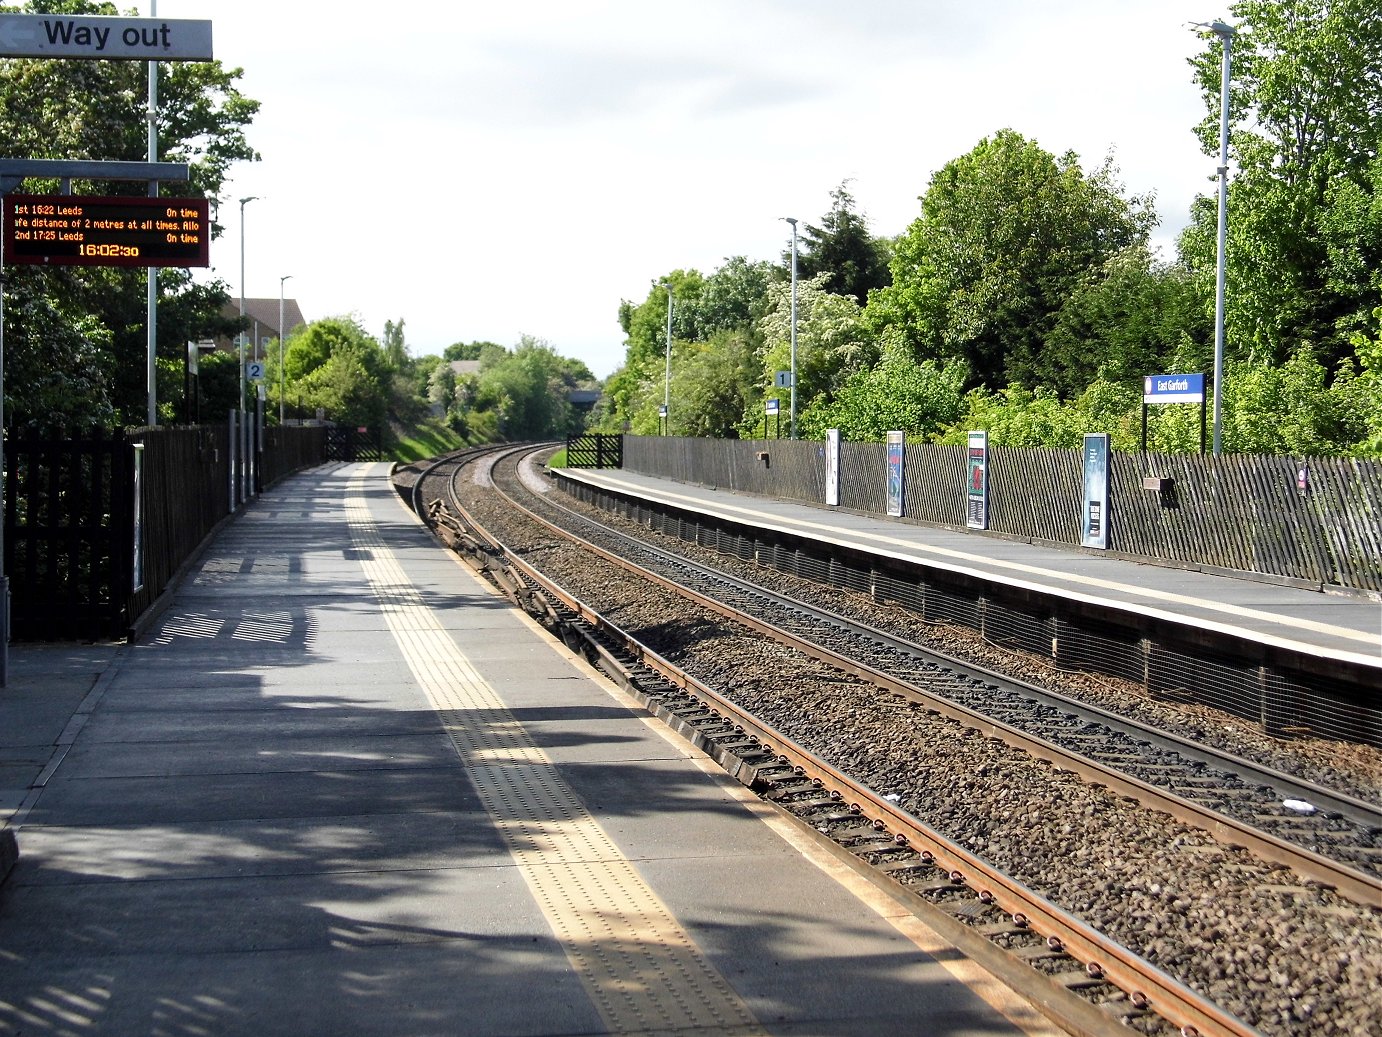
1332,837
879,828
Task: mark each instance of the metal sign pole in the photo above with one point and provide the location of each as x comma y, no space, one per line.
152,117
4,569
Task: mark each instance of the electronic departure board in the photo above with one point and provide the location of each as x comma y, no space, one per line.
78,230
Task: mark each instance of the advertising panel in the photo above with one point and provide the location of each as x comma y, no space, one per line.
1094,515
977,491
832,467
897,446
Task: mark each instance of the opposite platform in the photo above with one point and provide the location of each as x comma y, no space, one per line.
342,787
1309,623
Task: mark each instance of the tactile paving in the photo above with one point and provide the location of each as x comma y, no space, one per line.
643,972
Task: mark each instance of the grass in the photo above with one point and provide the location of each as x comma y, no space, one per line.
429,439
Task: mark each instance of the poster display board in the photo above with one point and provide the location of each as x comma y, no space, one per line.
1094,514
832,467
897,446
977,487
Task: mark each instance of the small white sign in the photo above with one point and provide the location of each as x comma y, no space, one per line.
254,370
103,37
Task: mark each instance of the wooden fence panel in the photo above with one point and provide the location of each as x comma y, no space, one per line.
1243,513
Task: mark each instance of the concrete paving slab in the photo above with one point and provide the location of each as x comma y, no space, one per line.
211,797
314,911
420,840
477,986
128,759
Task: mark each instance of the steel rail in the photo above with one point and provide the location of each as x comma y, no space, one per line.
1147,986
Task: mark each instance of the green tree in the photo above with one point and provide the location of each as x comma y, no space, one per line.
469,350
896,394
57,364
395,348
1126,319
335,365
1007,233
714,385
1306,122
733,298
833,341
63,109
842,248
527,390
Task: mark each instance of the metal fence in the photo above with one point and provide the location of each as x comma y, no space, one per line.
595,450
1315,521
97,524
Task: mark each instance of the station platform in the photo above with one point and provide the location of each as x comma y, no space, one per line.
1341,627
342,787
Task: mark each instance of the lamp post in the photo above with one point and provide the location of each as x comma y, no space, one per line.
243,203
1225,34
793,388
667,378
285,277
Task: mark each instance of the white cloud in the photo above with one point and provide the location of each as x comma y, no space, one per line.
485,170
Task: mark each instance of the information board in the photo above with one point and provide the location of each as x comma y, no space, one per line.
1173,388
95,230
104,38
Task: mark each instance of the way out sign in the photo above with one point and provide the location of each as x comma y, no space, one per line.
104,38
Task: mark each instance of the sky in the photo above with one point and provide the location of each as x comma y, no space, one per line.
484,171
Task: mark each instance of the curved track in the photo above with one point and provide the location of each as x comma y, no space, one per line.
875,826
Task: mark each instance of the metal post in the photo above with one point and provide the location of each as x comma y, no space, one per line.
285,277
152,116
1225,34
4,570
792,425
243,333
232,445
667,379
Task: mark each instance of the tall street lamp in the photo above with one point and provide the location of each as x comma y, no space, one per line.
793,388
667,378
1225,34
285,277
243,203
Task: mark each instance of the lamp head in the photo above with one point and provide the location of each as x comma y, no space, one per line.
790,219
1219,28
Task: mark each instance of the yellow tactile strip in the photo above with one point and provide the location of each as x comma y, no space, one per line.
642,971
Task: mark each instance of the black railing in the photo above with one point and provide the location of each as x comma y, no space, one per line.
354,444
595,450
68,549
98,524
